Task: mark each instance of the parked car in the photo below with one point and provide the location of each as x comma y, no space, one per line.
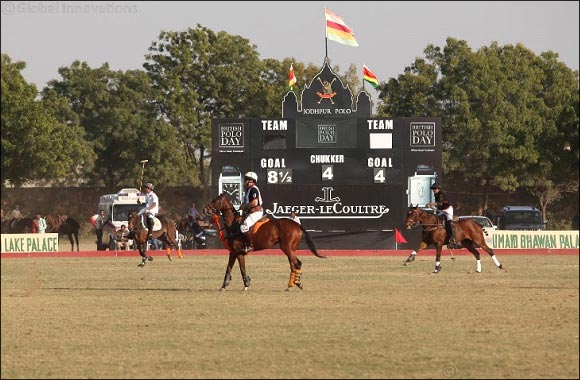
521,218
483,221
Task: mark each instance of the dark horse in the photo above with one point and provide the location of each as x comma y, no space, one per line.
20,226
166,234
467,232
64,225
189,228
285,232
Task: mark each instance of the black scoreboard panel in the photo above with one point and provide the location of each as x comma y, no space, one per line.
336,173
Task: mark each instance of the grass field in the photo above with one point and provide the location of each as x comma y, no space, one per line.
357,317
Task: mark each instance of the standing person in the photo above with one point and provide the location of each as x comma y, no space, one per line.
35,225
252,206
151,207
15,216
41,223
444,209
193,219
99,224
192,211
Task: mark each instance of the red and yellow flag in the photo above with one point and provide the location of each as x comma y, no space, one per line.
291,77
370,77
337,30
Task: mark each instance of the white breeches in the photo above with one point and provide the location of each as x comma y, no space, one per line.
448,213
251,220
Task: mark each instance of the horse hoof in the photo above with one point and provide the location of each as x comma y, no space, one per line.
245,288
169,257
149,258
299,286
141,264
223,288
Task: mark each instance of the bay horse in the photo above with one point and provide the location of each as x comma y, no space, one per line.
63,225
285,232
166,234
467,232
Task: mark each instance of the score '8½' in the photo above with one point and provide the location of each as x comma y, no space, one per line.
279,176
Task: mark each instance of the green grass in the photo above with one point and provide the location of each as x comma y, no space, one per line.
365,317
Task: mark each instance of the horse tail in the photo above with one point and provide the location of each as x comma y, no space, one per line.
310,243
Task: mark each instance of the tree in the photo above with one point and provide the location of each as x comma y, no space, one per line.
510,118
199,75
35,144
116,112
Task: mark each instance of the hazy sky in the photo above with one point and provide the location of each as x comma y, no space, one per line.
50,34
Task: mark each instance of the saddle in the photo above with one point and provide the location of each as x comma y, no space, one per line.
156,223
259,224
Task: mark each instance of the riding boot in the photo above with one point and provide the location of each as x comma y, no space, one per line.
149,228
451,233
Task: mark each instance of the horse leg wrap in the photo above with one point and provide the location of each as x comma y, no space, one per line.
297,278
291,281
246,281
227,280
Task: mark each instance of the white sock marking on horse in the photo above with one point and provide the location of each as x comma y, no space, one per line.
437,263
413,253
496,261
478,266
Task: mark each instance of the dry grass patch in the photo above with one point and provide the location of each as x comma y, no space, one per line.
357,317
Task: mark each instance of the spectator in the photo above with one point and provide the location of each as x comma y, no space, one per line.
35,225
192,211
121,238
99,224
41,224
15,216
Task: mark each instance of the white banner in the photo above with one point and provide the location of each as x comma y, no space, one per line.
500,239
24,243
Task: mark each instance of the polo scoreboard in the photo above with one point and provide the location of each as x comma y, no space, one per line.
339,169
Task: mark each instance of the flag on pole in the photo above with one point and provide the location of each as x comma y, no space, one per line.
291,77
337,30
399,238
370,77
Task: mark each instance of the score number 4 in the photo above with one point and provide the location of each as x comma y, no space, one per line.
281,176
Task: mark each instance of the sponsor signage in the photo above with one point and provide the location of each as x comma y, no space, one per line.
28,243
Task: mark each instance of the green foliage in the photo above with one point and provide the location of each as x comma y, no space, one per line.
36,145
510,118
115,110
198,75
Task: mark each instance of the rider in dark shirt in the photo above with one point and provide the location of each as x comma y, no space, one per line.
445,210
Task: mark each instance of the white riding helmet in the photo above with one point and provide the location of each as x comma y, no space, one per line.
251,175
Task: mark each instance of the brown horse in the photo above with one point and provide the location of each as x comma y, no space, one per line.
63,225
166,234
467,232
285,232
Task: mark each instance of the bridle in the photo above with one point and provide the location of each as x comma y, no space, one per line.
414,216
221,208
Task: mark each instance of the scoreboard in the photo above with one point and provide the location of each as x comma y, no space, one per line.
338,168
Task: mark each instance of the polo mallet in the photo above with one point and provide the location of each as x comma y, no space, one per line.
143,162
